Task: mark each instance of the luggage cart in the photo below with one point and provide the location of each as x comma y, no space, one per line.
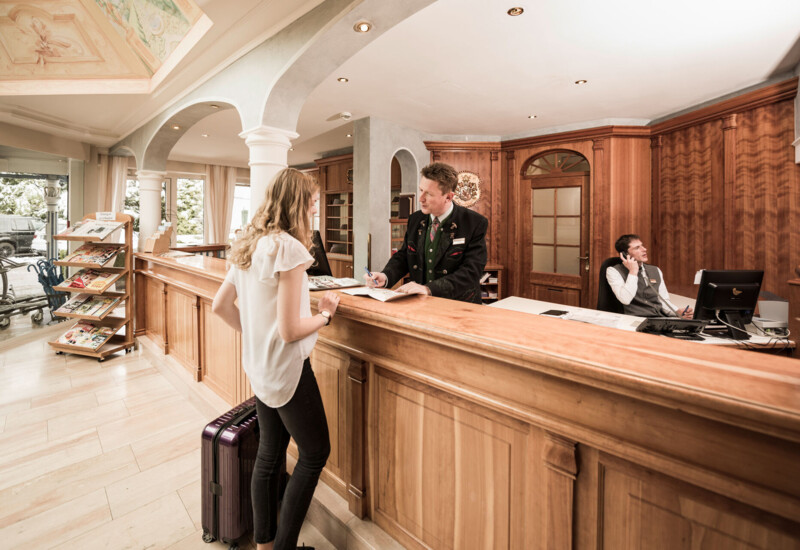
10,305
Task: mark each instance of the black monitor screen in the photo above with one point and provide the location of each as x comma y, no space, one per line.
731,294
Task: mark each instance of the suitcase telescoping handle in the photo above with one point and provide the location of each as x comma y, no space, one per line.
246,412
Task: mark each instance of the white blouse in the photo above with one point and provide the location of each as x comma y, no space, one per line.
272,365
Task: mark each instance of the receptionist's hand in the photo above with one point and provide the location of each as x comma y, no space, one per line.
414,288
377,280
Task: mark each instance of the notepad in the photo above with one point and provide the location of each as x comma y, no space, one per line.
382,294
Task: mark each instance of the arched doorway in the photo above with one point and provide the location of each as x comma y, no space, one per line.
555,189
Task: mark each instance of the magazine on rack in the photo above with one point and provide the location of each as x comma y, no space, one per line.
92,254
92,228
86,335
90,279
326,282
382,294
89,305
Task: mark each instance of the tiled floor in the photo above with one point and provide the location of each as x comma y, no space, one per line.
100,455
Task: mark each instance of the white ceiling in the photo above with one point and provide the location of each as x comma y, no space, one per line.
464,67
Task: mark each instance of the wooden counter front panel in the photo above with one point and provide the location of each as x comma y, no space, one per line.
220,355
154,311
182,329
448,474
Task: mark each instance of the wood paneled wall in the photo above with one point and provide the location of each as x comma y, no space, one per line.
726,189
482,159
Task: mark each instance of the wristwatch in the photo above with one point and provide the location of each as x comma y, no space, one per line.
327,315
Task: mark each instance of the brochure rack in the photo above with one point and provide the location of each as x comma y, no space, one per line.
120,264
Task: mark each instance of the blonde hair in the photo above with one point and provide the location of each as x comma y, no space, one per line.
285,208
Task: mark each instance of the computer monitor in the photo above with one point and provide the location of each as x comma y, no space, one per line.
730,295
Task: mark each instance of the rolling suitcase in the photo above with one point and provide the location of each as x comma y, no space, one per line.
228,455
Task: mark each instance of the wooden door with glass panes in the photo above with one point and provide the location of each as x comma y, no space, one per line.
556,263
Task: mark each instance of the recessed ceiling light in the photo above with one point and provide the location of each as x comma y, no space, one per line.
531,116
176,127
513,12
362,26
204,135
349,135
291,148
579,82
214,106
343,79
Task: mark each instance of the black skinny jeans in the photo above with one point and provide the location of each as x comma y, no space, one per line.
302,418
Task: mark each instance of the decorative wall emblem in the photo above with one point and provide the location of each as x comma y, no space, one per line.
468,191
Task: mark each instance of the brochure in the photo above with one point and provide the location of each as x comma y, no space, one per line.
382,294
326,282
90,279
92,254
93,228
89,305
86,335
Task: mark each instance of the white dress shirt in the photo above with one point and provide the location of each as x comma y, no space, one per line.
625,289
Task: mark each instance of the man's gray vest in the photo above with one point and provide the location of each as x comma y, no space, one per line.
646,302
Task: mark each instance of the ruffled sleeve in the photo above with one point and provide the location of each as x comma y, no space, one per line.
284,253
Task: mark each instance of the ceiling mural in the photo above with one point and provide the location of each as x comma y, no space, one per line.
94,46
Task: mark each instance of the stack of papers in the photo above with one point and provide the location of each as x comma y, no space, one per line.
89,305
86,335
382,294
326,282
92,228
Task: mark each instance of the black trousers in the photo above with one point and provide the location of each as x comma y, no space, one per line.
302,418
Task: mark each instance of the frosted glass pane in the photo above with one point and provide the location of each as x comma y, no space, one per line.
567,260
543,258
543,230
569,231
543,202
569,201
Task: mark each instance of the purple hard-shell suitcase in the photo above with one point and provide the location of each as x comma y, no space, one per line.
228,455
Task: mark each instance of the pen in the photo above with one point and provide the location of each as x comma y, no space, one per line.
369,274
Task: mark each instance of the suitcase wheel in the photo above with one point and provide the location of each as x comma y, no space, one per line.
233,546
207,536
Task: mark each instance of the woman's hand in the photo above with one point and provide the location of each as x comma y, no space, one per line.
329,302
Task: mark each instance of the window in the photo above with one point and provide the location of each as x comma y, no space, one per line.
556,163
556,229
130,205
189,228
241,208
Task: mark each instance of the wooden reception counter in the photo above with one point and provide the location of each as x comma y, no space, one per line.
461,426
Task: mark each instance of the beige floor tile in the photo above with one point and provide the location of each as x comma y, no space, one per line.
32,363
138,490
163,415
61,486
151,382
157,525
2,424
144,401
66,405
110,375
51,528
26,388
55,455
191,498
171,443
79,421
17,442
195,542
15,406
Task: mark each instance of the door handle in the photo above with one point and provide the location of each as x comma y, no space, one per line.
583,258
586,265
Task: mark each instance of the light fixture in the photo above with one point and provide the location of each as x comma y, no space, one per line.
343,79
176,127
362,26
579,82
531,116
513,12
204,135
291,148
214,106
349,135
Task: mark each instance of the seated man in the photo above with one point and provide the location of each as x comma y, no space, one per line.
638,286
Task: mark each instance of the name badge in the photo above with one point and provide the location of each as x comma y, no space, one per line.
459,241
652,281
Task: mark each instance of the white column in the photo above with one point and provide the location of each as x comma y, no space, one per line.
149,203
269,153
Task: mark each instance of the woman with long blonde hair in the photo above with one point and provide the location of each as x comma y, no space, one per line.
268,275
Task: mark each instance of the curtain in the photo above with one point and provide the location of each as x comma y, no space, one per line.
112,175
220,185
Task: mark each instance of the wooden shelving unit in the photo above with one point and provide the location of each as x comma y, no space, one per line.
339,223
118,342
492,287
397,232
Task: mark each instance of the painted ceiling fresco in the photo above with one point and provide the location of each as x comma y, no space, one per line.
58,42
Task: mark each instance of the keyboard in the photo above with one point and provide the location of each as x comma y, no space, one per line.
684,336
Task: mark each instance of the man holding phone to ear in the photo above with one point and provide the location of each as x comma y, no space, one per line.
639,286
